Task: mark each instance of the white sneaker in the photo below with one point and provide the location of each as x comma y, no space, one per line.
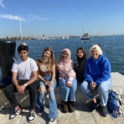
32,116
16,112
52,121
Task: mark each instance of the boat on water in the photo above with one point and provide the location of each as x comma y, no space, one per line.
85,36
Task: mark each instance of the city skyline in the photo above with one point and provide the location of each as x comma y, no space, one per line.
61,17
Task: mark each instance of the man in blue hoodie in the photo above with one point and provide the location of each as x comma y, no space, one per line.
97,74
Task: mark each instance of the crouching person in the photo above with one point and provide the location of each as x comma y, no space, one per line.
25,69
97,74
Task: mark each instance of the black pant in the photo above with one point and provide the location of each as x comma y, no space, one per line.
9,90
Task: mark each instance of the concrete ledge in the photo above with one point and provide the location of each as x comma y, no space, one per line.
118,86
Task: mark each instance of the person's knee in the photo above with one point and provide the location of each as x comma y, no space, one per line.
51,93
42,89
50,89
102,89
5,91
83,87
73,88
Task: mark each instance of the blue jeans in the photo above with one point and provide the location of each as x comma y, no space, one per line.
53,113
103,88
68,93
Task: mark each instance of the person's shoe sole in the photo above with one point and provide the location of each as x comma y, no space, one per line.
30,121
55,122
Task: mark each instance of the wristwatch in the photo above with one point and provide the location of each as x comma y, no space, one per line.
25,85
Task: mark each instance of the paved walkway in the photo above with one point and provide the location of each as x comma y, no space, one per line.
80,116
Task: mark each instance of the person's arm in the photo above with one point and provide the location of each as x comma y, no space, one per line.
33,78
69,81
106,70
42,79
53,73
15,82
14,79
72,65
71,75
39,75
87,74
53,76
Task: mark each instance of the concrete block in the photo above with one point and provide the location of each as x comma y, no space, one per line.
118,86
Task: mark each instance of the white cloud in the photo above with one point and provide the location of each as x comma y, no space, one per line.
36,17
1,4
11,17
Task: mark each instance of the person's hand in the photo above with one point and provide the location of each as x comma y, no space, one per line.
45,82
20,89
49,83
69,84
92,85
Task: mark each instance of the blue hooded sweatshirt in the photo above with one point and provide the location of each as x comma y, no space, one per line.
97,70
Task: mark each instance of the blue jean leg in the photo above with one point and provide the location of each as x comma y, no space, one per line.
85,88
73,90
39,103
103,91
53,113
68,93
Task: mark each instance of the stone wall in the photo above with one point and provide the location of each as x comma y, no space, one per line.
118,86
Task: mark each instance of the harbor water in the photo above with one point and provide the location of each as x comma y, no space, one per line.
112,46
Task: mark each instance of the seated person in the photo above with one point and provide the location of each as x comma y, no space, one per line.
97,74
67,80
47,83
79,67
25,69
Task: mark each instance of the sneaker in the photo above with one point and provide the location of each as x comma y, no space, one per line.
32,116
103,111
92,106
17,111
52,121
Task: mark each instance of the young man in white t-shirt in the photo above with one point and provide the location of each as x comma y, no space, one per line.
25,69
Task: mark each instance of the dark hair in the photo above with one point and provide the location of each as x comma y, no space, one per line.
22,47
84,57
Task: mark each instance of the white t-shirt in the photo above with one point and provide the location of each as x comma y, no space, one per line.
24,69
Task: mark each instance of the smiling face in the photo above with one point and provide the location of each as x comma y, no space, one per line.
46,55
95,53
64,55
23,55
80,54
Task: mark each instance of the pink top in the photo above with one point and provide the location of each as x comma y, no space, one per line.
65,67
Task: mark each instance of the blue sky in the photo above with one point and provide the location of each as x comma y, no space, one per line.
61,17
